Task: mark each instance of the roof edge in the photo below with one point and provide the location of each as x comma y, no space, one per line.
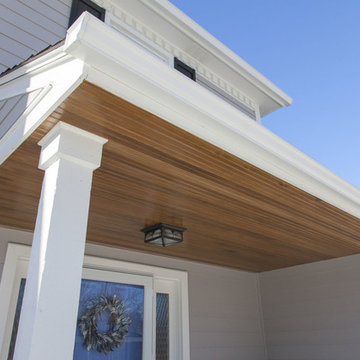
115,63
188,26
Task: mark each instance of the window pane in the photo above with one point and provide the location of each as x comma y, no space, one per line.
16,319
162,326
104,342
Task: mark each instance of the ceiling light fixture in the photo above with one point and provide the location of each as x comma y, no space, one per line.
162,234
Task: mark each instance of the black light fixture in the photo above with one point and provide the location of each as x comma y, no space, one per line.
162,234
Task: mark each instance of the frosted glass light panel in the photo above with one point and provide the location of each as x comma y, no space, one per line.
110,321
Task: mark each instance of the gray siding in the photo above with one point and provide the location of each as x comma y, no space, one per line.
225,314
29,26
310,311
313,311
11,109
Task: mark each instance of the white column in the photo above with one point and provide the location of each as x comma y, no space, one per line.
49,311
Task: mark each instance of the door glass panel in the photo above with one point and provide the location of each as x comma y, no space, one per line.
16,319
131,312
110,321
162,326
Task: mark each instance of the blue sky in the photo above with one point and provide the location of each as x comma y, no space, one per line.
311,50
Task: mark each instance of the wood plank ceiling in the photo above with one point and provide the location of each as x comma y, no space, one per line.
236,214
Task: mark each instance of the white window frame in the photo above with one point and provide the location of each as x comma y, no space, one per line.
154,279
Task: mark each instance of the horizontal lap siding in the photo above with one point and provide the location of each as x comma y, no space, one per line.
225,316
29,26
313,311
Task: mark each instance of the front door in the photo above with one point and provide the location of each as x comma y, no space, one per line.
114,317
126,310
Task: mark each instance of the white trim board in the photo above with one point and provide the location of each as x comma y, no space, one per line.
113,62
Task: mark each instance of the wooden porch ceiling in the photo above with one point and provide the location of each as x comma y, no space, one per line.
236,214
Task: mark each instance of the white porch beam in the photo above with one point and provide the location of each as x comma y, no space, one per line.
49,311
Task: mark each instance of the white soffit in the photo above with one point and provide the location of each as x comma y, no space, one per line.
101,55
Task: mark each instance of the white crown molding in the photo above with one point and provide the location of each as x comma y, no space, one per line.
186,25
120,19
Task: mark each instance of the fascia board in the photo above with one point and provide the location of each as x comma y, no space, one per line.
125,69
185,24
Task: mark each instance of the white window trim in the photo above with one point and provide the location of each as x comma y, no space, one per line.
173,282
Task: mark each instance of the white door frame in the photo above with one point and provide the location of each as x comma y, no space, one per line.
154,279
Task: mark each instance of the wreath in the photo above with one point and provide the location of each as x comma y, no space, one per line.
118,320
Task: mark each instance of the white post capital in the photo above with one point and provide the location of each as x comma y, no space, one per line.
68,142
49,311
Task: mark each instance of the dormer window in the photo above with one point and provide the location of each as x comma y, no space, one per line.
184,69
79,6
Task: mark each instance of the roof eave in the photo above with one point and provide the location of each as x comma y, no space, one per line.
113,62
277,97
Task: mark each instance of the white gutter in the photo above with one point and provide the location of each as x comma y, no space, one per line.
123,68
